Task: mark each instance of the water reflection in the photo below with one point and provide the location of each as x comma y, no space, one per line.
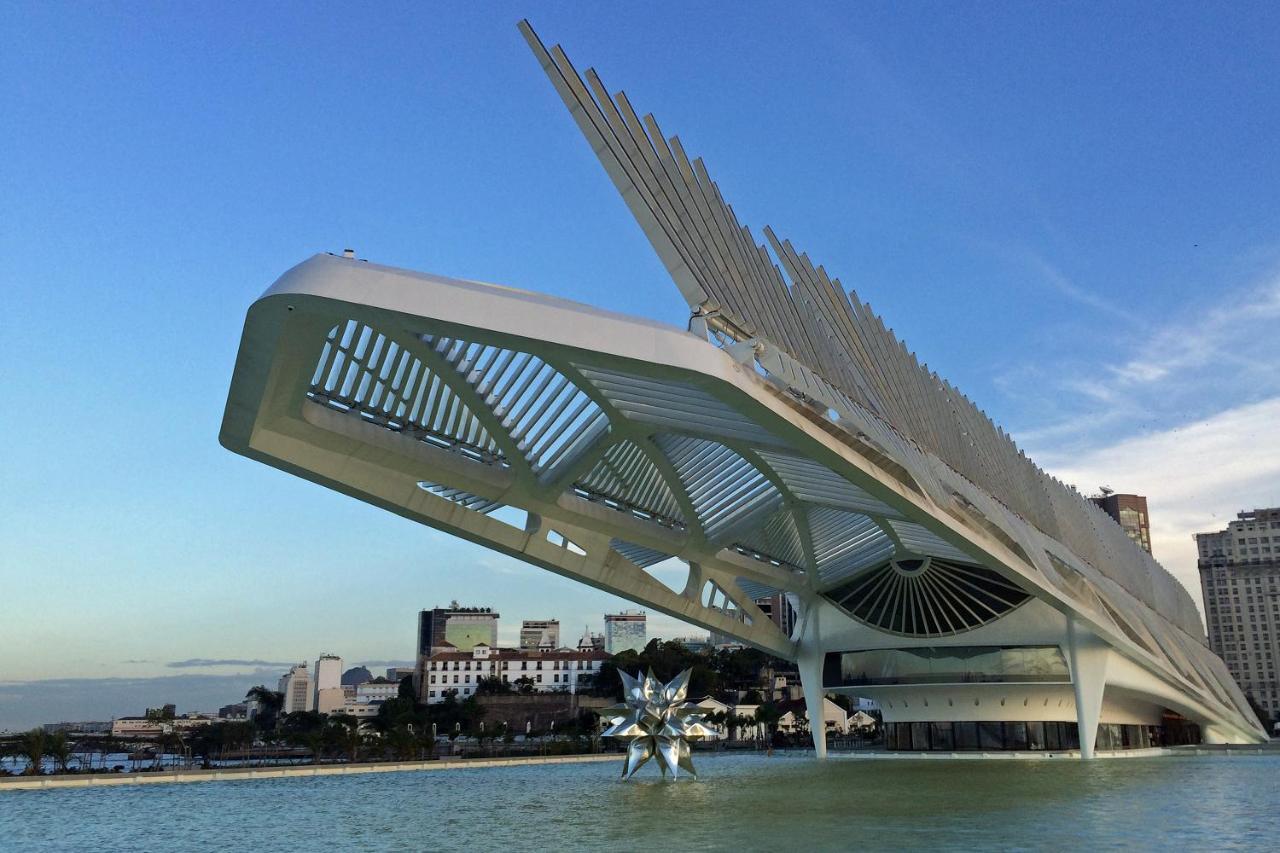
750,802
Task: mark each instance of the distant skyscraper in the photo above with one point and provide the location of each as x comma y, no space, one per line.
1130,512
461,627
779,610
1240,580
625,630
296,687
327,684
540,634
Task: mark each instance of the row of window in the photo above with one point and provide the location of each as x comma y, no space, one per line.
506,664
444,678
1033,735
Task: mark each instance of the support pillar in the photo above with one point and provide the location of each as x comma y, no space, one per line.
810,663
1088,658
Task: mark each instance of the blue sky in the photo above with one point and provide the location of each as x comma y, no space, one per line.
1069,211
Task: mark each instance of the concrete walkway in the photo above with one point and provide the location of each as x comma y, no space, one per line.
94,780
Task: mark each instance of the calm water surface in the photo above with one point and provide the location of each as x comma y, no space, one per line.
740,802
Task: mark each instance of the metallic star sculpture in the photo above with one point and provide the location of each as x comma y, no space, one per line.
659,723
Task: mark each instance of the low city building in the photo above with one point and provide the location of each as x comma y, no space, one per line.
154,726
542,671
378,690
399,673
795,717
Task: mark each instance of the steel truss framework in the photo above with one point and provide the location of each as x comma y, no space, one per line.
789,444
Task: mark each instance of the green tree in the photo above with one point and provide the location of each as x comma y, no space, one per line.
306,729
343,733
403,742
171,742
270,704
32,747
768,715
59,749
494,685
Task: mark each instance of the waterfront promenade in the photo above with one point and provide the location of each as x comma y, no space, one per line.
228,774
97,780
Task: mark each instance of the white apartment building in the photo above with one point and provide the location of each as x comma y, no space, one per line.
378,690
296,687
327,684
1240,580
547,671
625,630
143,727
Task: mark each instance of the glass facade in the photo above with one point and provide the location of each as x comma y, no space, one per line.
1031,735
947,665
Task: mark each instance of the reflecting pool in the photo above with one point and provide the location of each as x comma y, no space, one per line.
749,801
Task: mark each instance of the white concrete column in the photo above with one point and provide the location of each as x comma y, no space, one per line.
1088,658
810,662
810,666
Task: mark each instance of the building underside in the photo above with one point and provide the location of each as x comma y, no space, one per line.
786,443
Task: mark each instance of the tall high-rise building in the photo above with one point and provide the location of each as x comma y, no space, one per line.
327,684
625,630
461,627
1240,579
540,634
296,687
779,610
1130,512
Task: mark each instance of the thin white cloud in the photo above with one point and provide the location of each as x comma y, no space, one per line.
1060,282
1196,476
1217,356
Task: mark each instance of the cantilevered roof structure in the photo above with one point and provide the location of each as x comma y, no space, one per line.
786,442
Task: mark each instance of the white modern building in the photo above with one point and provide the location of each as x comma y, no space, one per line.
785,442
625,630
327,683
296,687
539,671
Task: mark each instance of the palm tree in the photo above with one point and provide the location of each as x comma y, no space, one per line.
59,749
402,742
32,746
344,732
170,742
270,703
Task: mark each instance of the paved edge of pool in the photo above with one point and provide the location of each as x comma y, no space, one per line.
26,783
